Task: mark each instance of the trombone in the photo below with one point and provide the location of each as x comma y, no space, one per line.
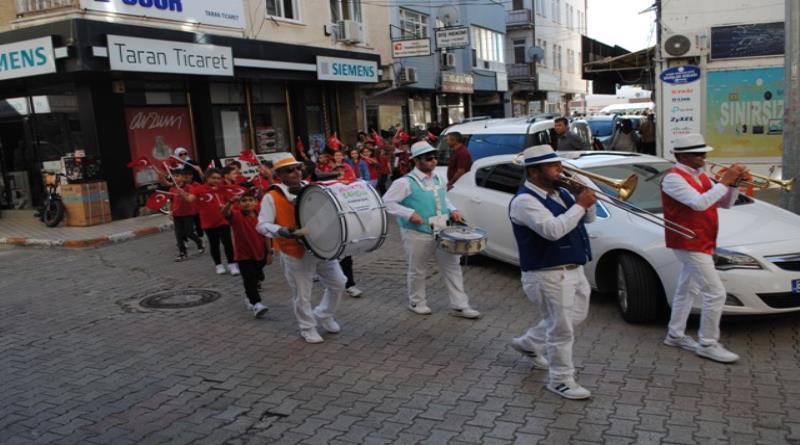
624,188
753,179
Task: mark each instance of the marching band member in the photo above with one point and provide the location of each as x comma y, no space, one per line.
419,202
553,245
691,199
277,220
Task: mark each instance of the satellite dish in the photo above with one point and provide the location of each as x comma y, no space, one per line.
534,54
448,14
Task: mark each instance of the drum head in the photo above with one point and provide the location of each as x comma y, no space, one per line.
318,213
462,233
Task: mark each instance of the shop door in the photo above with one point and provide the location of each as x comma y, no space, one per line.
15,160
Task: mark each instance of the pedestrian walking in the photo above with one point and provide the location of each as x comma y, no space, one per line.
183,213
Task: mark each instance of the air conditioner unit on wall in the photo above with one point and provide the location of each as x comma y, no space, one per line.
408,75
680,45
350,31
447,61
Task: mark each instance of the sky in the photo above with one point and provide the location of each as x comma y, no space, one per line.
618,22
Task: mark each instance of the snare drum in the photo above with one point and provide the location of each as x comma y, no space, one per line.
462,240
341,220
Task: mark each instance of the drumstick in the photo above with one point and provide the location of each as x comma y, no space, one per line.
301,232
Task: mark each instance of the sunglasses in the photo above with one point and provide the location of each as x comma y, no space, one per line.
290,169
429,158
184,154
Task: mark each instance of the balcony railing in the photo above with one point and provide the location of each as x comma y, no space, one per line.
35,6
519,70
519,17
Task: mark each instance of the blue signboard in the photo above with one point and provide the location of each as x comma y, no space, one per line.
680,75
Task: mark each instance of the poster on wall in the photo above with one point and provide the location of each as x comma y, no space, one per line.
682,103
155,133
745,112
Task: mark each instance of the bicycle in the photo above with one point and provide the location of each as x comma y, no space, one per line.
52,210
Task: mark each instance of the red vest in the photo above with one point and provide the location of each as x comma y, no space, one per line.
704,224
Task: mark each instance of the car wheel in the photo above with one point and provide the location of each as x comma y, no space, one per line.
638,290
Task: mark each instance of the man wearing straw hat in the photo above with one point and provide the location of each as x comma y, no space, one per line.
420,203
548,223
277,220
690,198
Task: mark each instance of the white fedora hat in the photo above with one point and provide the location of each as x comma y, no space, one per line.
540,154
690,143
420,148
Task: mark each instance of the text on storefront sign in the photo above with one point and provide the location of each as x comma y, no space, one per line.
27,58
346,70
148,55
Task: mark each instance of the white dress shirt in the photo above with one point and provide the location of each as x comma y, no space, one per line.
266,217
528,211
678,189
401,189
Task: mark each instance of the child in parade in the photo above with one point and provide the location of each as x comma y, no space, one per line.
368,158
209,198
183,213
251,250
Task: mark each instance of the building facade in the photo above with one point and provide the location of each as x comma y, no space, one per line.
111,82
447,63
544,54
721,73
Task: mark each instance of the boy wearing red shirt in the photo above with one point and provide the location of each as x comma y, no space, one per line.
183,214
250,248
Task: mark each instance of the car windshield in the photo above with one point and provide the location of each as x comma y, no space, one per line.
601,127
648,191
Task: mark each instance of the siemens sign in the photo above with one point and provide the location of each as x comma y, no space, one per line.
228,13
27,58
346,70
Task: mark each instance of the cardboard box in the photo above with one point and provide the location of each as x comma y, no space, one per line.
86,204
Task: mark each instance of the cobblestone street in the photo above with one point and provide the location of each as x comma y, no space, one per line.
82,362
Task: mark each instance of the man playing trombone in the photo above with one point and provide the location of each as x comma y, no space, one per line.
548,223
690,198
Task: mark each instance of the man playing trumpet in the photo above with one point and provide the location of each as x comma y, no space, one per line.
691,199
548,223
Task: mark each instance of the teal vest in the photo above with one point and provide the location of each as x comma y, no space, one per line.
424,202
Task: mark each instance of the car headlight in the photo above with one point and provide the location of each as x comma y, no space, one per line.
725,259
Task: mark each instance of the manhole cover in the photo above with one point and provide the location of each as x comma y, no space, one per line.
180,299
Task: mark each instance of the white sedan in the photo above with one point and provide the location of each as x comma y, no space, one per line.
758,257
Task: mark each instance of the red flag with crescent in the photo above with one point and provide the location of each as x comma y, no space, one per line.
334,142
139,163
157,200
248,156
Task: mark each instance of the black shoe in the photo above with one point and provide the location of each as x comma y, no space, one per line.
180,257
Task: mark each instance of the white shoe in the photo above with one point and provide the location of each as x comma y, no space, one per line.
259,310
538,359
311,335
421,309
221,269
466,312
686,342
569,390
247,304
233,268
353,291
330,325
716,352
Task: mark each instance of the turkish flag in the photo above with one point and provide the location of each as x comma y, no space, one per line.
301,148
173,163
233,189
379,142
401,136
157,200
139,163
248,156
334,143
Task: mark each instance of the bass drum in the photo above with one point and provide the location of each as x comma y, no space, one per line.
341,220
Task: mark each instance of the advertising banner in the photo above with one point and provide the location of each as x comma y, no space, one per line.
745,112
154,133
346,70
27,58
451,38
164,56
411,48
682,103
228,13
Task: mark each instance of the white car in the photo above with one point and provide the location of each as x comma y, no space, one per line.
758,257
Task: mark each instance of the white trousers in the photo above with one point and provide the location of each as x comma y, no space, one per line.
419,248
299,273
561,302
698,279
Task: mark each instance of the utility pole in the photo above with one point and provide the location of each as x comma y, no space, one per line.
791,126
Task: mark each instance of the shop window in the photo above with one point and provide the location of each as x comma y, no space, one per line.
391,116
270,119
413,24
420,112
286,9
231,129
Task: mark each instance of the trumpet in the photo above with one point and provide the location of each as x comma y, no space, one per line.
624,189
753,179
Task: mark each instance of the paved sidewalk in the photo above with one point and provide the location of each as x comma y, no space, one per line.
21,228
